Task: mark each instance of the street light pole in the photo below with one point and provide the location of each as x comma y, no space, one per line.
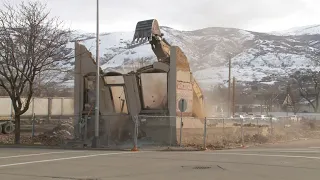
95,142
229,87
233,96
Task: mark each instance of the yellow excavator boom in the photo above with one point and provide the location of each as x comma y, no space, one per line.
149,31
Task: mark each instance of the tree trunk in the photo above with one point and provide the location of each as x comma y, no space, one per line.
17,129
317,103
315,109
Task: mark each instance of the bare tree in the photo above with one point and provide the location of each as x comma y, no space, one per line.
294,93
293,104
31,42
308,84
51,83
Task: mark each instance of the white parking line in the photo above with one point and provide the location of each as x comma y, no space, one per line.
264,155
61,159
268,149
39,154
276,150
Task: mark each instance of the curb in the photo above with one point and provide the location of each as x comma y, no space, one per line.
92,149
61,148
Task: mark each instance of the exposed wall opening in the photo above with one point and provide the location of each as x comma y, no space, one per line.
154,90
113,80
89,93
115,84
119,99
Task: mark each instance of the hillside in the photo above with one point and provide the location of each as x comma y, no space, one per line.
302,30
255,56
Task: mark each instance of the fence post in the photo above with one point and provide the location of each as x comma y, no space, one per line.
205,134
271,126
135,133
170,131
61,113
108,131
11,110
242,140
85,127
223,136
181,125
49,109
33,119
32,106
257,125
80,127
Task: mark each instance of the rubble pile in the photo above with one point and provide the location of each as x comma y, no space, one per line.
57,136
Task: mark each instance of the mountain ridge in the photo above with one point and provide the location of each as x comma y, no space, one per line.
255,56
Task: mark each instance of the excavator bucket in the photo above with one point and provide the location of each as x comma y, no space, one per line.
145,30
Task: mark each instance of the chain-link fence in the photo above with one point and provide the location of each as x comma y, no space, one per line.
39,130
122,131
231,132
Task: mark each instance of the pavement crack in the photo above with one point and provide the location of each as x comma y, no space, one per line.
221,167
71,178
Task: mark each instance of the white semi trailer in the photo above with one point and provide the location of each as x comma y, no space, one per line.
6,125
6,114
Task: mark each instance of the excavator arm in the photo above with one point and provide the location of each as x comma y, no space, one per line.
149,31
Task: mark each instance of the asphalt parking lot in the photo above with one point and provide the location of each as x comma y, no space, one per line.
246,164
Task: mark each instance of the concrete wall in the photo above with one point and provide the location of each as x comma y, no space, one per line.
184,91
180,85
199,109
56,106
187,87
110,121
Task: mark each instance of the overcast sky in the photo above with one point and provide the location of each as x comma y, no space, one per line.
122,15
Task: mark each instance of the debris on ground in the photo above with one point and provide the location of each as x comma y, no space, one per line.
54,137
57,136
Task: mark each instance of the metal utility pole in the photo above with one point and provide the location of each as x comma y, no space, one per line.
287,100
261,103
271,104
233,96
95,142
229,88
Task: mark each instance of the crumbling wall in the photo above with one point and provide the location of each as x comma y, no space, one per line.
113,127
198,103
187,87
182,63
119,99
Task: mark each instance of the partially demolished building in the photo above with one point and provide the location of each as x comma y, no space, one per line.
152,92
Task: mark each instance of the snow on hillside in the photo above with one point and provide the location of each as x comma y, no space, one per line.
245,67
255,56
303,30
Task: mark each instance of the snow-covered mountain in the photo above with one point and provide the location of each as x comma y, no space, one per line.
254,56
302,30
